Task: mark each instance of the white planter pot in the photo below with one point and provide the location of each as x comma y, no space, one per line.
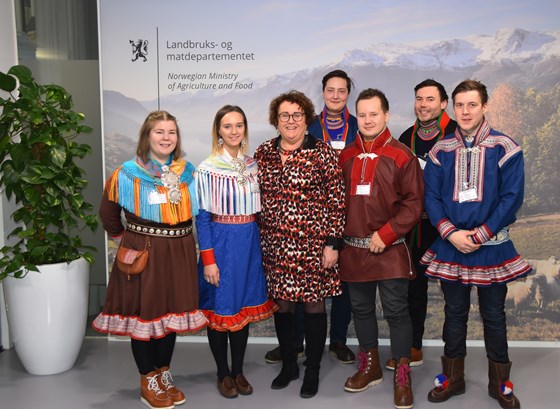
47,315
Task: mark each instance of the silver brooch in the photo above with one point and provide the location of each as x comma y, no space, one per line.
171,181
239,166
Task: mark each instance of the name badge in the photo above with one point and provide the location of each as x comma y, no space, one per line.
156,198
363,189
339,145
422,162
467,195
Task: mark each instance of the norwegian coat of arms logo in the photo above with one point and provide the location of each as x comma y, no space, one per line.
139,49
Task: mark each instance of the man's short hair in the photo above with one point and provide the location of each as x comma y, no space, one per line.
472,85
338,74
372,93
432,83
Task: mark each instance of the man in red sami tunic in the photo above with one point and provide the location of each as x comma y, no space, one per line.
384,194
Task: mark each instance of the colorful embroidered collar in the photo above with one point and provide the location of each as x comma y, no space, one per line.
326,135
441,124
133,185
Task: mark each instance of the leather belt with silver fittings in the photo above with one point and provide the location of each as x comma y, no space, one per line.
364,242
160,231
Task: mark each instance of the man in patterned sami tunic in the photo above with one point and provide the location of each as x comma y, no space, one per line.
474,185
384,191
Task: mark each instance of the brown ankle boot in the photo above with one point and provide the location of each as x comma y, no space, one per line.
499,385
152,395
369,372
165,381
402,385
416,359
449,383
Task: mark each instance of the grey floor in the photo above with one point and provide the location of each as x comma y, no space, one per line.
105,377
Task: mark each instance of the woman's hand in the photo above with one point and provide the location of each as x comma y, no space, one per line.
330,257
462,241
212,274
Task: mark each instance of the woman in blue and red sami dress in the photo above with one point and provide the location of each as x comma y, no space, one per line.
231,278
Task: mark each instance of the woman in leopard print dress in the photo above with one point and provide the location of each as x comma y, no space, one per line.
302,219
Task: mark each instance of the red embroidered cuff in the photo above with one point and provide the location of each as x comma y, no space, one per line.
387,235
207,257
445,228
482,235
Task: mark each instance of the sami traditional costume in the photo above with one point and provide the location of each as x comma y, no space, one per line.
337,133
420,139
228,234
159,204
475,187
384,194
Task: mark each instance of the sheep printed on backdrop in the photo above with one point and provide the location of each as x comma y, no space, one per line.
546,282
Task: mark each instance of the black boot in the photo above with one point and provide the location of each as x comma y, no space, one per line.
315,338
286,332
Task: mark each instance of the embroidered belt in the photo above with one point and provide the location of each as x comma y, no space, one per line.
160,231
234,219
501,237
364,242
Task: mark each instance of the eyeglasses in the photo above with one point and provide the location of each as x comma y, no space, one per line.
296,116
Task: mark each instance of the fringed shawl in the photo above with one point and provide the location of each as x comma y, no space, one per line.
130,186
220,188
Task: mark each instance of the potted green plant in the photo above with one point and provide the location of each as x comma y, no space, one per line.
39,172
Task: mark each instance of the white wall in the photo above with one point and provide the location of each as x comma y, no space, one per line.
8,57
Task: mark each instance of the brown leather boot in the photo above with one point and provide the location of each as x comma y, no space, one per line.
449,383
402,385
152,395
499,385
416,359
165,381
369,372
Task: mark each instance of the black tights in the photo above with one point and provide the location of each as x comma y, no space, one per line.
152,354
218,341
308,307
